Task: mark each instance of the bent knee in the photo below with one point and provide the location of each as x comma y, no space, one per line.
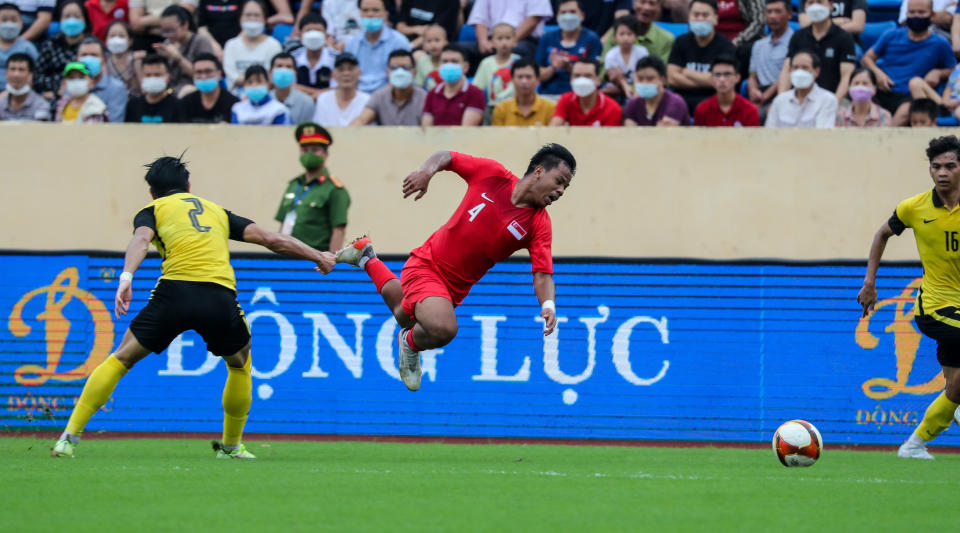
916,83
444,333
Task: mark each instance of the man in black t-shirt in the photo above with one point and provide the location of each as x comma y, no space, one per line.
688,71
416,15
849,15
157,104
833,46
220,17
210,103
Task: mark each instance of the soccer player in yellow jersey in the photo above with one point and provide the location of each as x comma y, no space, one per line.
935,218
196,291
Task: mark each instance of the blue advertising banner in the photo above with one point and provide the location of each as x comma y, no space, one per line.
644,350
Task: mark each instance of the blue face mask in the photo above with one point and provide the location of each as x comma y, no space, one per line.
207,85
93,64
283,77
256,93
646,90
371,24
701,28
71,27
451,72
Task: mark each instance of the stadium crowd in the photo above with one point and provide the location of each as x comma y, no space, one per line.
482,62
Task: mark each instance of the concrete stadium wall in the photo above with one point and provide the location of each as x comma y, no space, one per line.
700,193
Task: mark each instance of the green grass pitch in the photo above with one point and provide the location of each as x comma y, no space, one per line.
176,485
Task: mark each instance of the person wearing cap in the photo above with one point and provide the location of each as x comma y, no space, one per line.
78,105
314,206
345,103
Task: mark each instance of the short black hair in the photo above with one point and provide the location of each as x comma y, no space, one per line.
929,108
628,21
206,56
812,53
786,4
725,59
588,61
524,62
550,156
83,9
454,47
255,70
579,4
711,3
870,74
23,58
400,52
653,62
155,59
126,27
282,55
8,6
260,4
91,39
183,16
384,2
942,145
312,18
167,175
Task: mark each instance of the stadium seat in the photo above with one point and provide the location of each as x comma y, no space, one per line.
676,28
282,31
53,29
948,122
873,30
468,34
883,10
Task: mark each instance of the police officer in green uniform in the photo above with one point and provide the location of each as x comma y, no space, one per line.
314,207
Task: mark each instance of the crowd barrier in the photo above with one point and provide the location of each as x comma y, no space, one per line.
679,350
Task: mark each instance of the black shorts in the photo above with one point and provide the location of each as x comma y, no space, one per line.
209,309
891,100
938,326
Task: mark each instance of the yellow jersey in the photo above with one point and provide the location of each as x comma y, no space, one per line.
191,235
937,230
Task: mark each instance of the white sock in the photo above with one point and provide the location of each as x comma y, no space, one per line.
916,441
72,438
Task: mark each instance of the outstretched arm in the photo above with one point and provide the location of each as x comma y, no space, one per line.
545,290
419,180
287,245
136,252
868,293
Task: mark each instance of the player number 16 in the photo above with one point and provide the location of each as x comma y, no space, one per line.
950,241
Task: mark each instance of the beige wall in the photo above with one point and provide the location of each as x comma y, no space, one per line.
638,192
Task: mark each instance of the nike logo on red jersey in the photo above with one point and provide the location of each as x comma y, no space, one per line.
484,196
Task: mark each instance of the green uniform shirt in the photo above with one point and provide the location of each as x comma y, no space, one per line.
319,208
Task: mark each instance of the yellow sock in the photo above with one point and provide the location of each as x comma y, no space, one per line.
236,402
938,417
95,393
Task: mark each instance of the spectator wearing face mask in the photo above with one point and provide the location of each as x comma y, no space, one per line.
654,104
372,47
401,102
210,103
315,58
807,105
251,47
454,102
181,46
257,107
559,49
20,102
585,105
849,15
861,112
77,104
123,63
907,58
941,15
112,91
283,74
693,53
834,48
10,41
158,103
61,49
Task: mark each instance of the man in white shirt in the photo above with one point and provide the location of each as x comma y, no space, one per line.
338,107
807,105
526,16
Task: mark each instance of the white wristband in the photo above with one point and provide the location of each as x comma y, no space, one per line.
549,305
126,276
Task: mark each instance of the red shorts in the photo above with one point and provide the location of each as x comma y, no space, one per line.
420,281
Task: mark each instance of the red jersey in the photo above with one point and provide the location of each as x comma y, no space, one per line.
741,114
486,228
606,112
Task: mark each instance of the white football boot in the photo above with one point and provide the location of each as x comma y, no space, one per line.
409,363
914,448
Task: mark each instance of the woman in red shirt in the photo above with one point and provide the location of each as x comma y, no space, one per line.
103,12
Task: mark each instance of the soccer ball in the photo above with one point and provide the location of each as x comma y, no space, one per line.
797,443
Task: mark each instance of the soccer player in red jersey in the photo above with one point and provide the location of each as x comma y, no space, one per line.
499,214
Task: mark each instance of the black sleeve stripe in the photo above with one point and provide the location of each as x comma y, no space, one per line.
896,225
145,218
237,225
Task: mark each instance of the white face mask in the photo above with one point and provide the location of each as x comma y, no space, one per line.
18,92
568,21
252,28
817,13
154,84
583,86
117,45
801,79
78,87
314,40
